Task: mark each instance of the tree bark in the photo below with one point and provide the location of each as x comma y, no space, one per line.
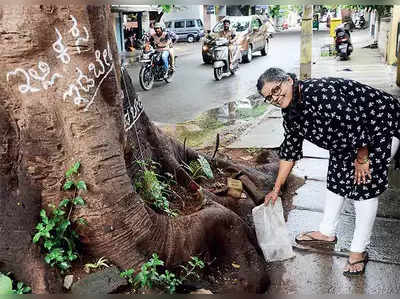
60,102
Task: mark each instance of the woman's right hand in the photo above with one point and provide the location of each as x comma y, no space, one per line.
271,197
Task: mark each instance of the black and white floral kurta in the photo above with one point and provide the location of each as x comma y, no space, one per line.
341,116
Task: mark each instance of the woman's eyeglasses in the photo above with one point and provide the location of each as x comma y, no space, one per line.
276,91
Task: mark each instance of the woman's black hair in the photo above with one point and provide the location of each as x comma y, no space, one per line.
273,74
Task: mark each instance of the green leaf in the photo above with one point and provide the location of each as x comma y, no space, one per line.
48,244
64,225
5,285
58,212
36,238
69,173
68,185
49,227
73,169
48,258
78,201
127,273
72,256
64,265
43,215
81,185
76,166
40,226
63,203
26,290
206,167
20,285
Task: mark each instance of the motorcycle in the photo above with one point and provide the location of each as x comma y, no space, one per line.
361,23
152,68
343,43
220,58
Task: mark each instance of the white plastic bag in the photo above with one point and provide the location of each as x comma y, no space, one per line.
272,233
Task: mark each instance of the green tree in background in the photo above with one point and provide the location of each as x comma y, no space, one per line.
275,11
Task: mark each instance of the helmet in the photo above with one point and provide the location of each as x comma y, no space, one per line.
158,25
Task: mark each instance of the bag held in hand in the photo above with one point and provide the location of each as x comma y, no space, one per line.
272,233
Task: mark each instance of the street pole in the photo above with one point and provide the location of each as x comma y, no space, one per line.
398,72
306,42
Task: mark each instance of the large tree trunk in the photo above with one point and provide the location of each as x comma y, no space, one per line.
44,130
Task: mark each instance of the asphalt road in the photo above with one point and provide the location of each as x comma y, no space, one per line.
194,89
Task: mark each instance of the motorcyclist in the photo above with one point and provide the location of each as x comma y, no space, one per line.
161,41
362,22
230,35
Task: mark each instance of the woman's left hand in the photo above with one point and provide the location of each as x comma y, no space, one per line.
361,172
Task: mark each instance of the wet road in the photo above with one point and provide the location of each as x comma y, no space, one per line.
194,89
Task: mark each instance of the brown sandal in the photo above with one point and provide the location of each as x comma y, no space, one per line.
313,241
355,273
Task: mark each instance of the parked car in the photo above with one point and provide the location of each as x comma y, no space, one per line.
252,36
186,29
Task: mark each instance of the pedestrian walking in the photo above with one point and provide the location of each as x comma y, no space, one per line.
359,125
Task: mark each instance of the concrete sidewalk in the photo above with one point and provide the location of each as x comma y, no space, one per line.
318,272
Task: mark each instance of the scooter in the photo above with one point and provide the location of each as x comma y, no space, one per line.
343,43
221,61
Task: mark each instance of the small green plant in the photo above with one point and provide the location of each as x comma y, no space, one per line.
169,281
191,269
59,238
149,277
199,168
6,286
195,170
101,262
151,188
22,289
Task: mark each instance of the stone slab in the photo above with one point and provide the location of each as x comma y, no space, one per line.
311,196
309,168
100,283
267,134
385,239
312,274
310,150
275,112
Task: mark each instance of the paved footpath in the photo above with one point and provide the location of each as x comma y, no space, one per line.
319,272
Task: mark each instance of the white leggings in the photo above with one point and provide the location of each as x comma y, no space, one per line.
365,215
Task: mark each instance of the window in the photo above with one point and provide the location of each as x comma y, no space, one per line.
190,23
199,23
180,24
168,24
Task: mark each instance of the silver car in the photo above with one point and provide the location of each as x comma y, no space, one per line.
186,29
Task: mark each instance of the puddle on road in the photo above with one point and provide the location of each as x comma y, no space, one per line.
229,120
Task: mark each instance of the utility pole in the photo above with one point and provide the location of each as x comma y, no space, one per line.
306,42
398,72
